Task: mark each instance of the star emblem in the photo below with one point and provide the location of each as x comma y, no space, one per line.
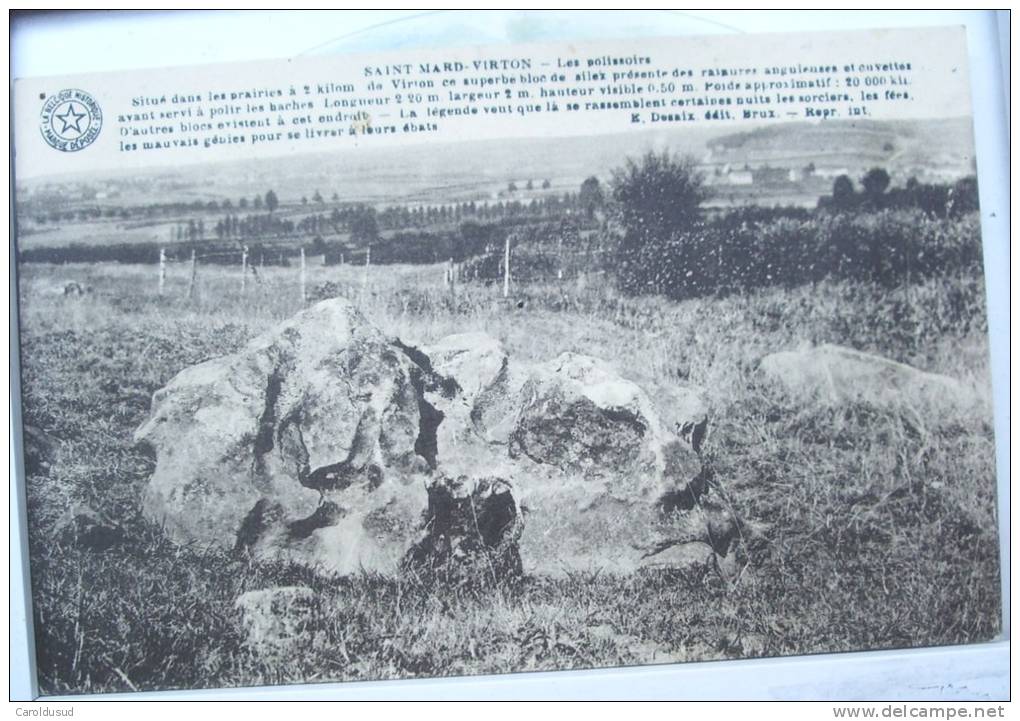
71,119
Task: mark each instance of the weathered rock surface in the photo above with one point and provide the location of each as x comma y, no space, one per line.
836,374
476,367
577,414
473,360
326,443
279,621
308,444
593,467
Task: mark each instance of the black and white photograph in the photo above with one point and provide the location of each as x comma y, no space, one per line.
488,361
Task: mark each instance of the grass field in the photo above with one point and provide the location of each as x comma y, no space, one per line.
99,232
880,530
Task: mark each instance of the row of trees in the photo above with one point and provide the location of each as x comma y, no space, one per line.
875,194
364,224
395,217
269,202
392,217
511,187
547,206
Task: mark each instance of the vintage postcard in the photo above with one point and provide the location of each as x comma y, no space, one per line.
503,359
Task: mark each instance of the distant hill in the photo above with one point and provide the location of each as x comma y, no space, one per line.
480,170
939,147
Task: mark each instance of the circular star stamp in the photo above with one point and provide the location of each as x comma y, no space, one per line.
70,120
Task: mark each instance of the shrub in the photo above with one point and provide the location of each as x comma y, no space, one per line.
655,198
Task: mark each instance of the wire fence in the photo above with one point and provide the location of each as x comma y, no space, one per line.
508,267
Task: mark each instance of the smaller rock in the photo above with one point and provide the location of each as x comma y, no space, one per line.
279,621
836,374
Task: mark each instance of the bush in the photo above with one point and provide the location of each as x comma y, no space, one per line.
656,197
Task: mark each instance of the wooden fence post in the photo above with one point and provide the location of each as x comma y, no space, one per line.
162,269
364,277
194,274
244,267
303,296
506,268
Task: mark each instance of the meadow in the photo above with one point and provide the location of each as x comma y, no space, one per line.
879,530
